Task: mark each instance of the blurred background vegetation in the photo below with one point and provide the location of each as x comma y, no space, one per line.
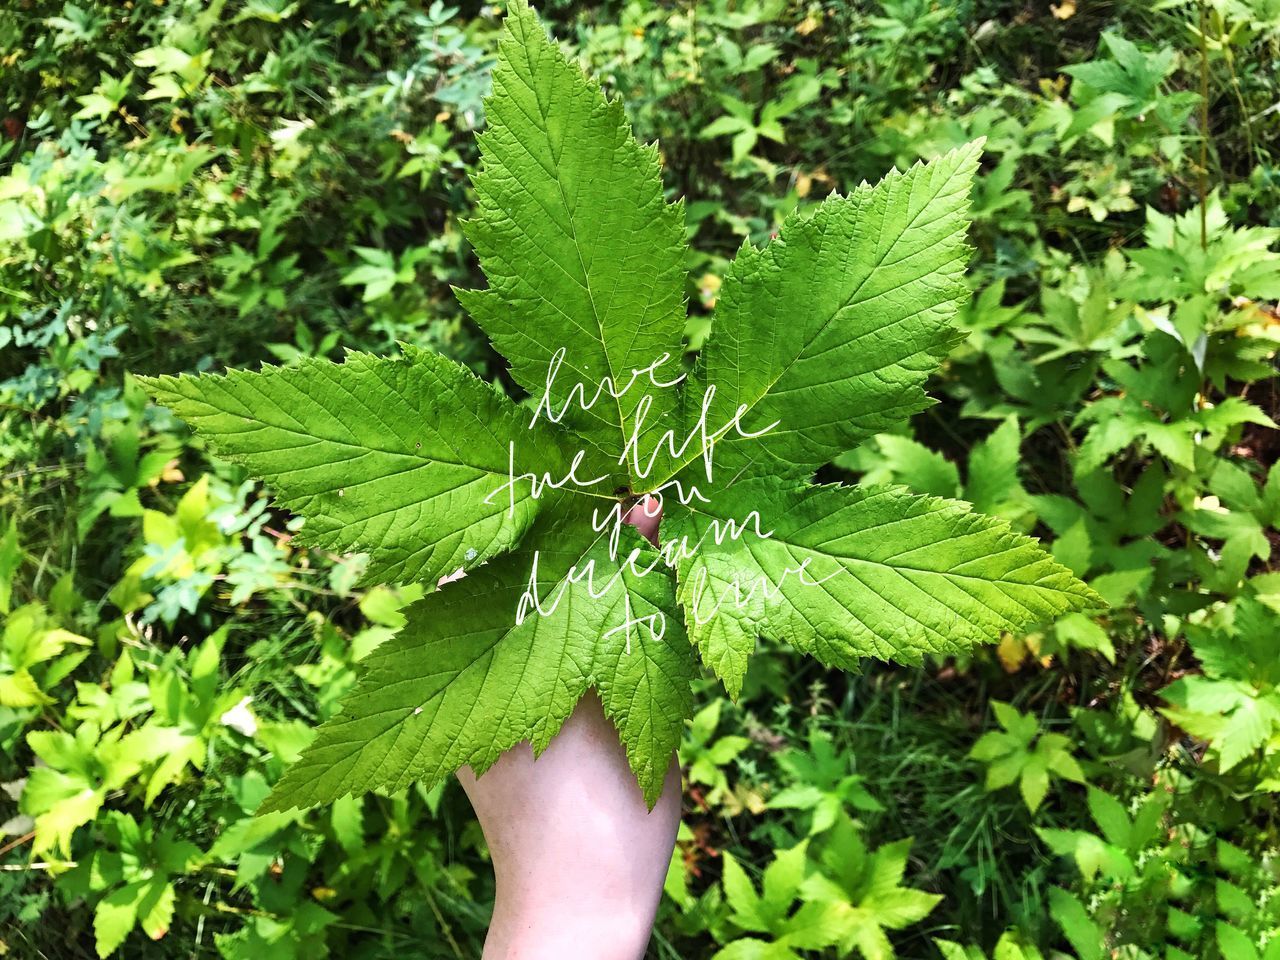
190,185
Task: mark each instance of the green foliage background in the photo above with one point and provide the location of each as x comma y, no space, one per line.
190,186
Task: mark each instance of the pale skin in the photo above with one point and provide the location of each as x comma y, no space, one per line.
578,857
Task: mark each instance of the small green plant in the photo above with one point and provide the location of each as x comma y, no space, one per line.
1020,753
133,872
1234,705
1010,947
705,755
839,895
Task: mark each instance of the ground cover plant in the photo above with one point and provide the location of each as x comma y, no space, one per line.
192,188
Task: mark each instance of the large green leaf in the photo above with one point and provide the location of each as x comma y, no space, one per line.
464,681
404,458
845,573
830,331
822,338
581,251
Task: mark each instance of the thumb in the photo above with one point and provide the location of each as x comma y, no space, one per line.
645,516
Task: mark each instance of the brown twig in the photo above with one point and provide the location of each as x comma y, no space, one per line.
17,843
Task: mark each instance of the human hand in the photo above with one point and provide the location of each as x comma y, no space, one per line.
578,857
